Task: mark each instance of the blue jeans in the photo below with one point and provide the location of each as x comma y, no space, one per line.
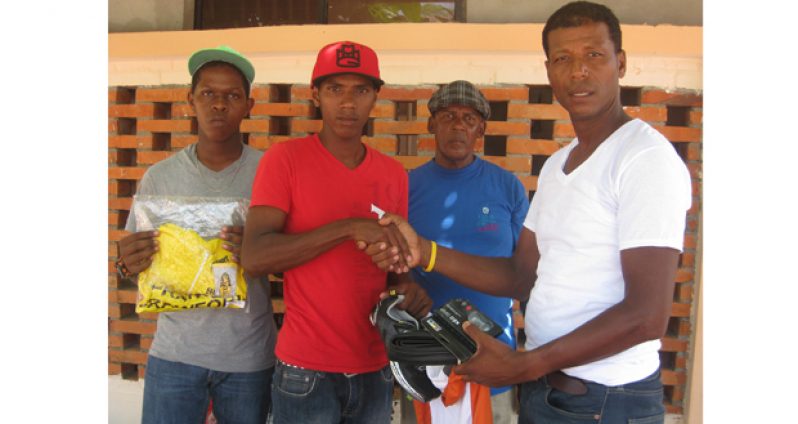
178,393
638,402
315,397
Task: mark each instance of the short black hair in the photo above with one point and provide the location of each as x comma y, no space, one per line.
196,77
579,13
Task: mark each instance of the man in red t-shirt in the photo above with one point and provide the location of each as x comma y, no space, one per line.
312,198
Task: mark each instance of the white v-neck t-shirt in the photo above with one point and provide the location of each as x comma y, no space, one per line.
633,191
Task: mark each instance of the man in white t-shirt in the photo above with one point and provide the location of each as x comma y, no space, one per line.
597,258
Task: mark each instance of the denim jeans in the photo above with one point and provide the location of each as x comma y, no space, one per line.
315,397
638,402
179,393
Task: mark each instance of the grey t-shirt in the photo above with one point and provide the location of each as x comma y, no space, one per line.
227,340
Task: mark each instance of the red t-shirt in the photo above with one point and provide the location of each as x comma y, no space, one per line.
329,298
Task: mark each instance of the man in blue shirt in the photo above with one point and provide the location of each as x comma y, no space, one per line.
466,203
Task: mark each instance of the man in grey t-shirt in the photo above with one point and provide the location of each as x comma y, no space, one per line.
198,355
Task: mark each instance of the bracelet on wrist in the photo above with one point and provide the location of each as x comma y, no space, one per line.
432,256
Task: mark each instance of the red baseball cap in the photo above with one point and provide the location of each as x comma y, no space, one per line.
346,57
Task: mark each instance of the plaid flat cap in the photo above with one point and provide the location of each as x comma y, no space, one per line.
461,93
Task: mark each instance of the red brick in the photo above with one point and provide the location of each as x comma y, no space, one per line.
425,144
695,170
180,141
116,235
123,296
162,94
518,321
148,316
672,409
530,182
648,114
670,344
412,162
383,110
130,141
512,164
146,343
132,111
528,146
113,252
182,110
152,157
693,151
278,305
383,144
260,92
673,378
117,188
562,130
688,259
684,328
695,117
254,125
119,95
283,109
132,327
496,94
115,312
680,309
122,157
165,125
301,92
305,126
125,173
696,187
405,93
263,142
676,134
116,219
671,99
400,127
113,125
506,128
128,356
536,111
121,203
684,275
422,111
685,293
114,368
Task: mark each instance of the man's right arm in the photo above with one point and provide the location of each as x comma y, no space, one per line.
266,249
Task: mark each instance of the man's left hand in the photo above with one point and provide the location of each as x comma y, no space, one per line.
232,237
494,364
417,302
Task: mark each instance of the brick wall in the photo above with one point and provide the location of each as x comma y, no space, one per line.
148,124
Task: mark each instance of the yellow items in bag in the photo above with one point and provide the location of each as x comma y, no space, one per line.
188,272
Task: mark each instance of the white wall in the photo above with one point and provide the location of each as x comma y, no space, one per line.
124,400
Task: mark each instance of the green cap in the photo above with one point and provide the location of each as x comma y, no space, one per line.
221,54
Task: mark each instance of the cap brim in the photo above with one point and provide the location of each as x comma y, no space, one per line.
377,80
213,55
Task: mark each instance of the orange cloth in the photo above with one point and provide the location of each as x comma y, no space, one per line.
481,411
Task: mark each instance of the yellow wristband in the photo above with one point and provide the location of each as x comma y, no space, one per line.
432,257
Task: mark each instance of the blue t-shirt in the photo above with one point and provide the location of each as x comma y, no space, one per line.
478,209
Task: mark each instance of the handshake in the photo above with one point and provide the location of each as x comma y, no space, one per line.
437,339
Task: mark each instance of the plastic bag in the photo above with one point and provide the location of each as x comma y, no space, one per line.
191,269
